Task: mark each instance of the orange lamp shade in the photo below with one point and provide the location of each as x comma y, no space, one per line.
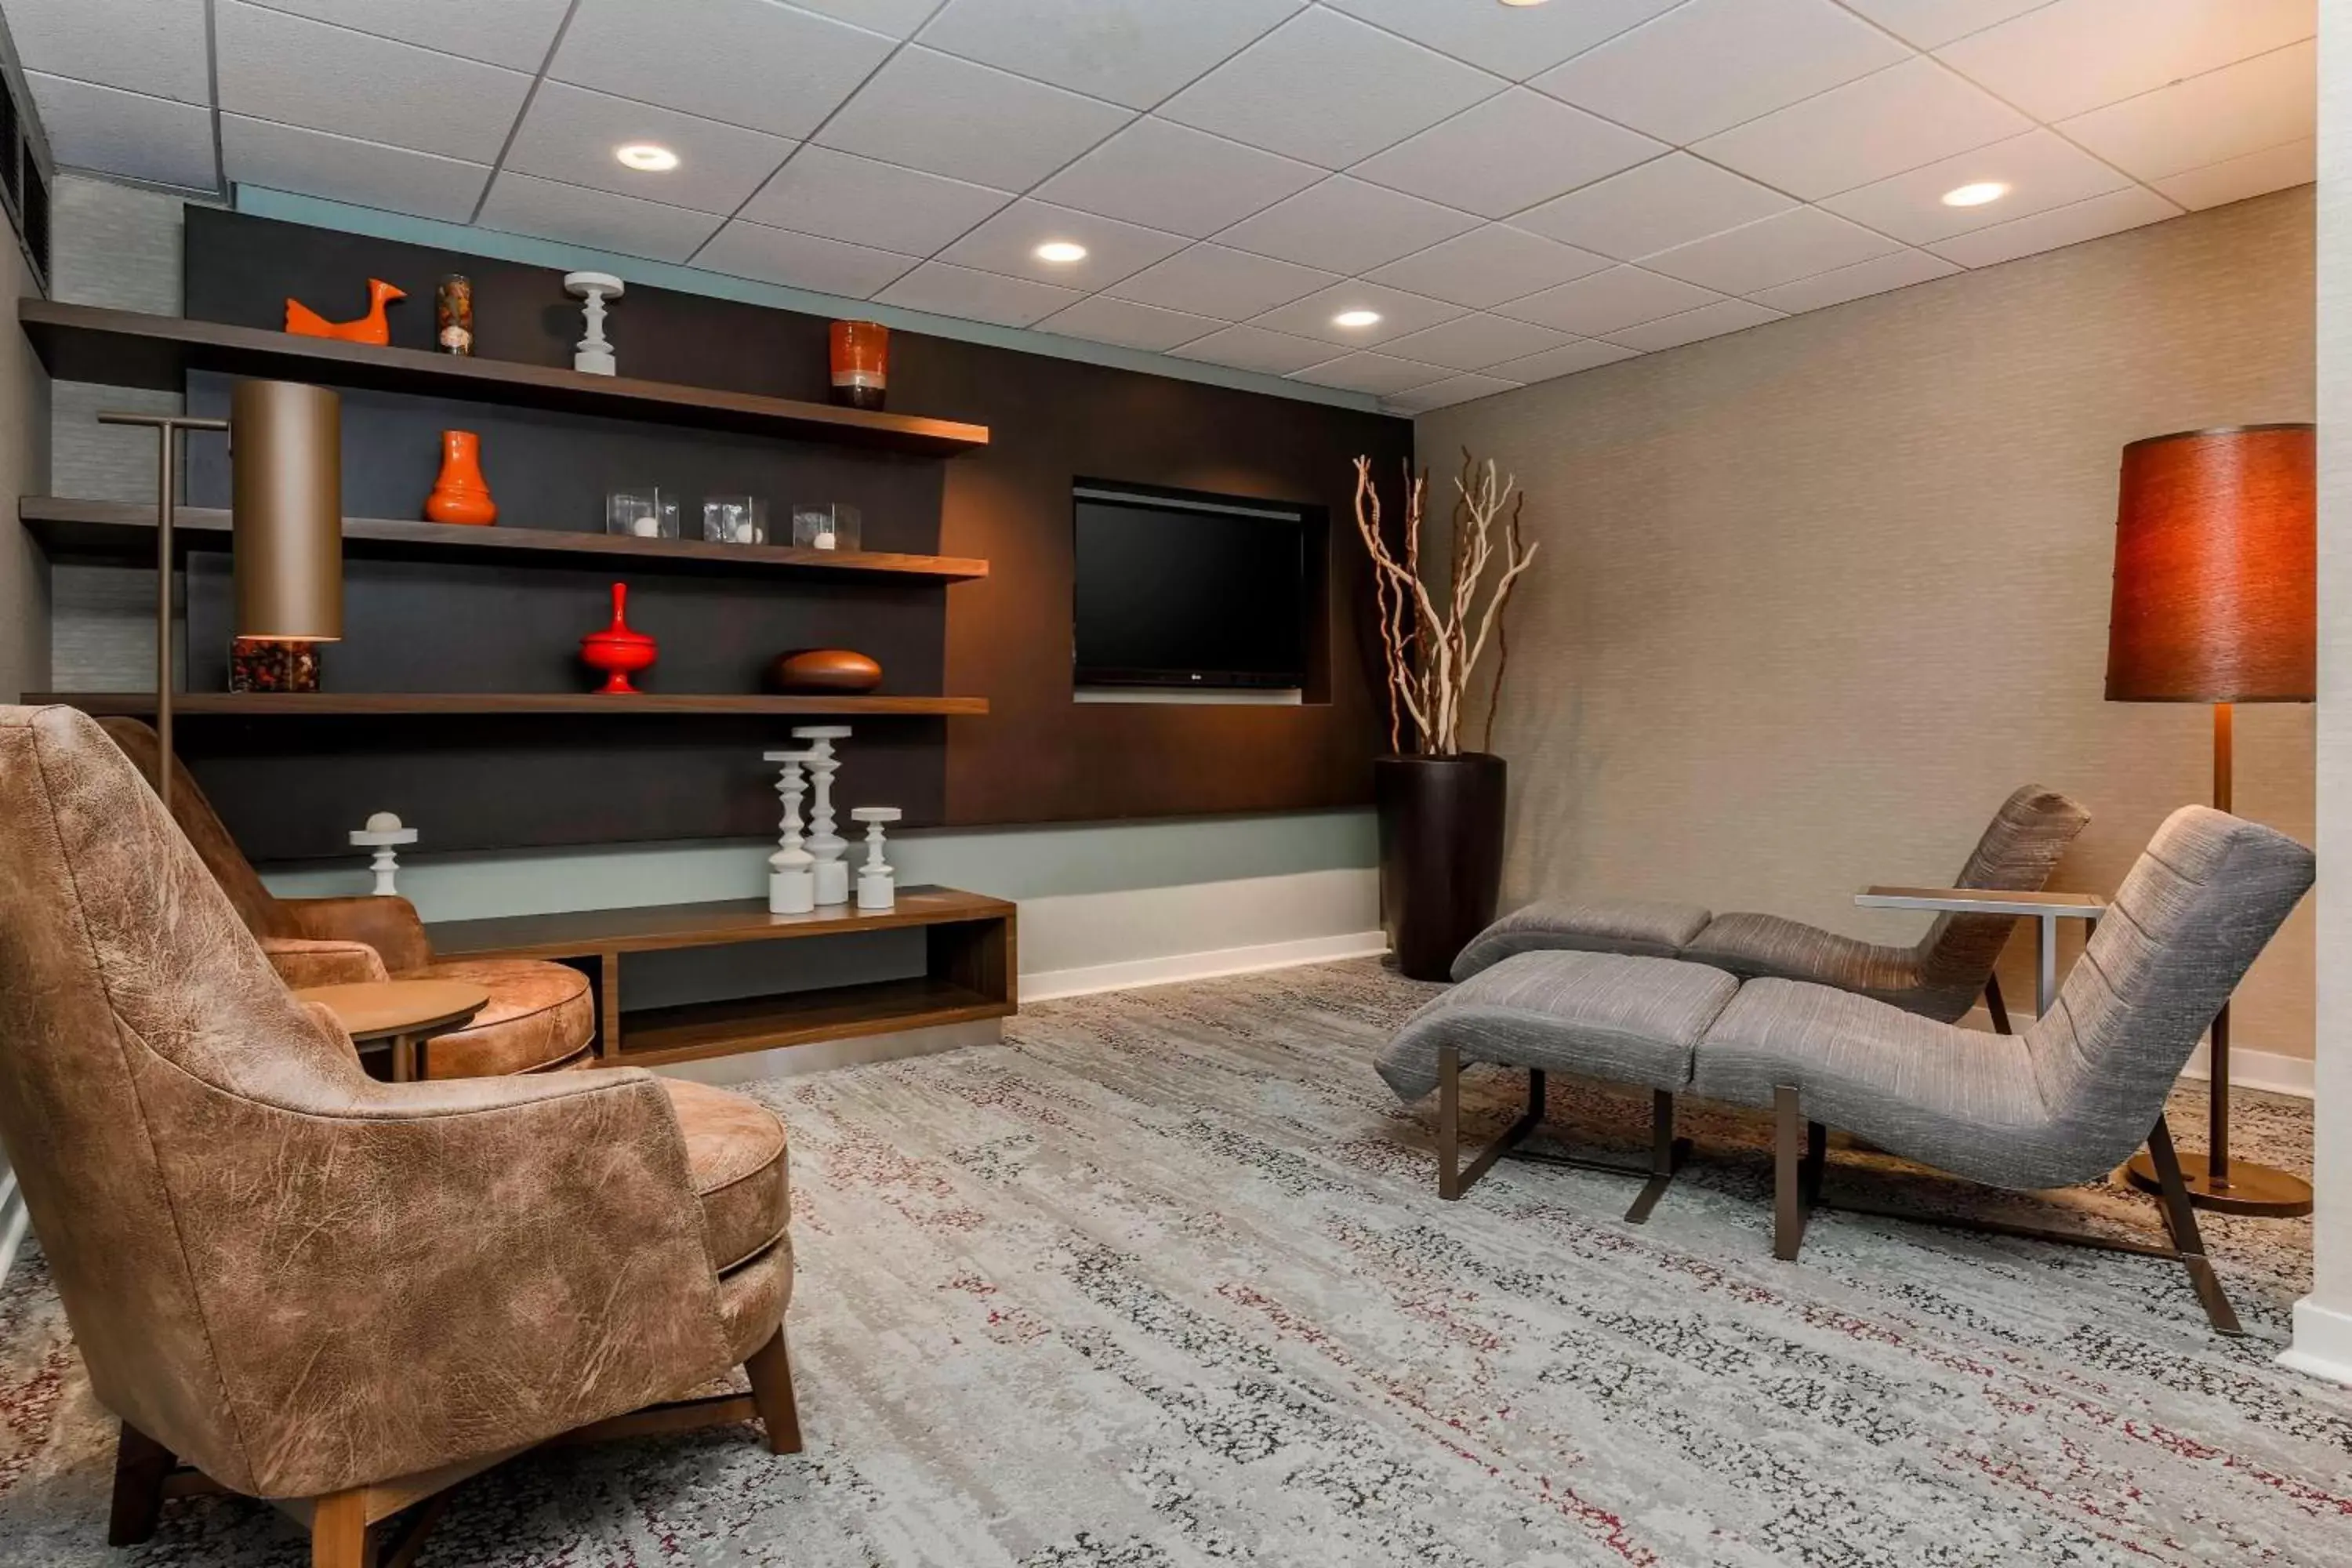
2215,595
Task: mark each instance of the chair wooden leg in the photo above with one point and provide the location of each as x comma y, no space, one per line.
2181,1219
1994,1005
141,1463
339,1531
1797,1150
770,1371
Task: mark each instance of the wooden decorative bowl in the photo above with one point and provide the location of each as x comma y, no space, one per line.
824,669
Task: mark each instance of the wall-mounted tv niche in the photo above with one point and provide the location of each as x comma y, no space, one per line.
1186,596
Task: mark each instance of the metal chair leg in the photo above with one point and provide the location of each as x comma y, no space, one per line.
1994,1005
1792,1203
2181,1219
1668,1153
1453,1182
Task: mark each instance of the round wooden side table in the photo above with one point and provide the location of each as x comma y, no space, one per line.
401,1014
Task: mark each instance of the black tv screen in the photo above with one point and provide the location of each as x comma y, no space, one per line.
1198,593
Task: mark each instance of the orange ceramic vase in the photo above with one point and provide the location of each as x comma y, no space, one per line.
461,494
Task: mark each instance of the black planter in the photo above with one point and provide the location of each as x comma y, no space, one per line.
1440,855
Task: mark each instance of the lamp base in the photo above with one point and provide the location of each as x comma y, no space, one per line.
2255,1190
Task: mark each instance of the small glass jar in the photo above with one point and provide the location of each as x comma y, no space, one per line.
735,519
860,353
643,514
272,664
453,315
826,525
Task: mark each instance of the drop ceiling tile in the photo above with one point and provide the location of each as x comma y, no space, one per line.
1007,244
1170,176
1399,313
125,133
569,134
899,19
1878,276
2110,214
1771,251
1255,348
840,197
748,62
520,204
1212,280
133,45
2255,175
2245,108
950,290
1711,63
1930,24
1488,266
935,113
1475,342
316,164
1621,297
1898,119
1346,225
2042,170
1445,393
1664,203
1565,360
2077,54
1134,52
1328,89
802,261
1691,326
513,33
1372,372
300,72
1511,152
1513,41
1104,320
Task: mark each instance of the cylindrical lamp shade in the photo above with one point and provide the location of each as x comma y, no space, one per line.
286,447
2216,595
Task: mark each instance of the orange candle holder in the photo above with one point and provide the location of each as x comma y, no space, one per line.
861,363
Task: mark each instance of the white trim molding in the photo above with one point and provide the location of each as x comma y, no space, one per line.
2258,1069
1174,967
2323,1341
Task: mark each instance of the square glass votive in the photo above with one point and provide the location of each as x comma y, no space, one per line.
825,525
735,519
645,514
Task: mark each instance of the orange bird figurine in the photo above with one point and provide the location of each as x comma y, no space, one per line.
371,328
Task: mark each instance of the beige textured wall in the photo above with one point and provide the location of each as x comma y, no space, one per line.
1815,596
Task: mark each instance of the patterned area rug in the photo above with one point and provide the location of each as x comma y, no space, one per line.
1164,1280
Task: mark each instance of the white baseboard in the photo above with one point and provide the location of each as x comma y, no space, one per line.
1167,970
2323,1341
2259,1069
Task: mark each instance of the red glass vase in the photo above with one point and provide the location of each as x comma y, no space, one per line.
617,650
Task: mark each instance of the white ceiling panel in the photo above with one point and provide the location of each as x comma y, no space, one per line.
2255,175
1899,270
1712,64
127,134
1898,119
1445,393
748,62
306,73
1771,251
2110,214
2042,170
1104,320
1329,90
1170,176
135,45
1515,41
1400,314
1134,52
1255,348
2250,107
1372,373
802,261
1691,326
1930,24
2076,55
840,197
1511,152
1666,202
950,290
520,204
1621,297
1230,285
1565,360
1488,266
513,33
366,173
1345,226
899,19
570,134
948,116
1007,243
1475,342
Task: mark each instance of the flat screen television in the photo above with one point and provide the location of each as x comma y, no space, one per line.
1197,592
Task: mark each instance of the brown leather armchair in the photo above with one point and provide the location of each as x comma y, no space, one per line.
541,1014
290,1281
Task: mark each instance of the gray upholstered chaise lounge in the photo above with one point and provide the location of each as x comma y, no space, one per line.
2062,1103
1939,977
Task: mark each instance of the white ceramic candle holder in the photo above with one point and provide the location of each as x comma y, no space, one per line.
383,834
877,884
593,353
791,879
824,843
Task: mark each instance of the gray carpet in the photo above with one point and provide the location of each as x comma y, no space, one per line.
1164,1280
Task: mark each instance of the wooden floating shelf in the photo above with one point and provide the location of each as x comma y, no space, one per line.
132,348
385,704
110,530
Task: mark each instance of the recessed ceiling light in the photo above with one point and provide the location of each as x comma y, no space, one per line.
1061,252
647,157
1523,2
1977,194
1355,317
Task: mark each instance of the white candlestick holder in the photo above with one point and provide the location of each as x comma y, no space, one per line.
792,878
824,843
877,884
383,834
593,353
